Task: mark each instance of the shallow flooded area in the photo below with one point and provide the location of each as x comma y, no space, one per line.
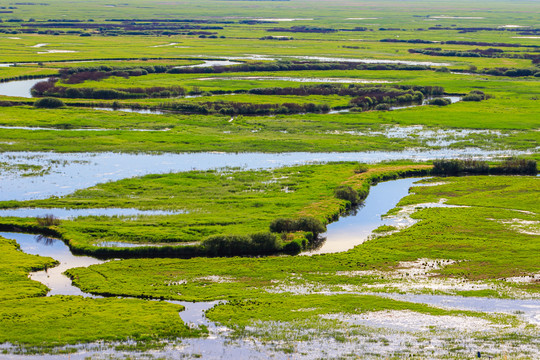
67,172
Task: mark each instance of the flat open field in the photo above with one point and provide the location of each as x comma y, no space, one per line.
269,179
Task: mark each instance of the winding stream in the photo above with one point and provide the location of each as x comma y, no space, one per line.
67,172
355,228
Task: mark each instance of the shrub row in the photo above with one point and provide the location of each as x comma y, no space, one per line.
238,108
233,245
510,166
49,88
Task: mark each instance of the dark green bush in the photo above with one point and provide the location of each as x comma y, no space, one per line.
233,245
382,107
472,97
439,102
282,225
266,242
456,166
292,248
345,192
49,103
310,224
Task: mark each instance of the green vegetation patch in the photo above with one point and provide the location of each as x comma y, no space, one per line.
59,320
213,202
483,246
14,268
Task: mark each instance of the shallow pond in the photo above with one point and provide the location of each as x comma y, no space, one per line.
53,278
67,172
219,345
19,88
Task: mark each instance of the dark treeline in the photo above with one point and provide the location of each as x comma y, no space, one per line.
453,42
510,166
193,21
351,90
302,29
49,88
128,26
489,53
239,108
475,29
244,67
80,74
23,77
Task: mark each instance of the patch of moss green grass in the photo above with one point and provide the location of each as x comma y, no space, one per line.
46,322
486,250
14,269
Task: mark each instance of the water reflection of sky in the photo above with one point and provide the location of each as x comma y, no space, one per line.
71,171
354,229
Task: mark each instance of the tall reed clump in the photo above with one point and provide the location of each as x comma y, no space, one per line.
48,220
518,166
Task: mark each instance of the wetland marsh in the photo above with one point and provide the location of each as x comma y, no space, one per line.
284,179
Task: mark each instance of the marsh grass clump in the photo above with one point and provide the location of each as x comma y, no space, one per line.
48,220
345,192
306,223
360,168
511,166
475,95
439,102
282,225
457,166
515,165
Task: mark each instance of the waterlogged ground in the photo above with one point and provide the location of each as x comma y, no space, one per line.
341,308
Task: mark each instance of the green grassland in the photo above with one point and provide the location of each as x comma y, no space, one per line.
512,107
215,203
485,247
15,266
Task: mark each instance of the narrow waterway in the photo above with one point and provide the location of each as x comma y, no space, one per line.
354,228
